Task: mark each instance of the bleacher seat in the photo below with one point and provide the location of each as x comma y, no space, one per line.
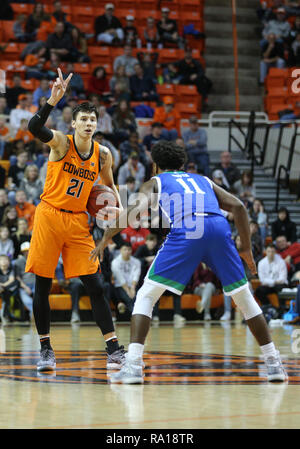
7,30
99,55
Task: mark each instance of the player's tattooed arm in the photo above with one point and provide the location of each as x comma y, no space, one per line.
144,202
232,204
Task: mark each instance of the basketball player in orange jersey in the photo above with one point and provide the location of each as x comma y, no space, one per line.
61,220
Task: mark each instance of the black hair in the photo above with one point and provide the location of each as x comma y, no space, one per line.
85,107
270,245
168,156
99,67
125,244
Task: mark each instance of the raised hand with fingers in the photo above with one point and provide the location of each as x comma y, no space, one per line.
59,88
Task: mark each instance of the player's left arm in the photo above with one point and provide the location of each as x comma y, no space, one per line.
106,172
145,198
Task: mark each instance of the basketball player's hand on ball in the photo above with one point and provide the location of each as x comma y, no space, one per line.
59,88
247,256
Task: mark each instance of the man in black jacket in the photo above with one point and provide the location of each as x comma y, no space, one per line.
191,72
168,30
141,86
108,28
60,42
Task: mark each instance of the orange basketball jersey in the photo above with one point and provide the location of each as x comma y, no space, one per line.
69,181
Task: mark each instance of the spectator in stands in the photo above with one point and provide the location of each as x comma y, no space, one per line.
43,170
65,123
52,65
19,31
266,13
296,320
36,18
219,178
245,188
24,208
23,132
3,203
130,33
205,284
257,244
29,103
126,271
104,124
284,226
132,168
43,90
10,219
169,117
231,172
76,82
16,171
191,72
21,235
272,53
146,253
55,114
152,138
123,120
26,280
272,273
13,93
79,46
168,30
170,74
98,83
4,134
119,94
258,214
108,28
77,290
130,185
151,34
195,140
191,167
4,109
142,87
120,77
6,244
31,184
294,56
148,62
135,234
290,252
280,26
8,287
132,145
101,138
295,30
127,60
58,14
60,42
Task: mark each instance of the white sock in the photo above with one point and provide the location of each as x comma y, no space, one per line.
268,350
135,351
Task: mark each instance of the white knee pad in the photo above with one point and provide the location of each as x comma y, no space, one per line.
246,303
146,298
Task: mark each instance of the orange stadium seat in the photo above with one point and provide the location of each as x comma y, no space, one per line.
83,13
147,5
86,27
12,51
29,84
187,109
276,95
106,65
276,77
99,10
186,93
191,17
142,16
22,8
82,68
125,4
191,5
99,54
168,55
7,30
165,89
275,108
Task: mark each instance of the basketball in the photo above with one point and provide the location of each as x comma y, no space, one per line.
100,197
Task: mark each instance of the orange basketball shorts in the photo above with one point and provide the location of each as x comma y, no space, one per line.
54,233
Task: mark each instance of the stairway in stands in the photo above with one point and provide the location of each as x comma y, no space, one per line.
265,187
219,55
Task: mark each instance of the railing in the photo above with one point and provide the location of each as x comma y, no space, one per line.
258,140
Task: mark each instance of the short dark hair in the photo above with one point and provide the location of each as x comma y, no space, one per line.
271,245
85,107
168,155
127,244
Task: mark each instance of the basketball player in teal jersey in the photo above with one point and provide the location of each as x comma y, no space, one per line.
198,199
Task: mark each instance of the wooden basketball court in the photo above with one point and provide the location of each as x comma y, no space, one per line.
201,375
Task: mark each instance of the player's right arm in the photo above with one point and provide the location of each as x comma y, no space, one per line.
232,204
57,141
